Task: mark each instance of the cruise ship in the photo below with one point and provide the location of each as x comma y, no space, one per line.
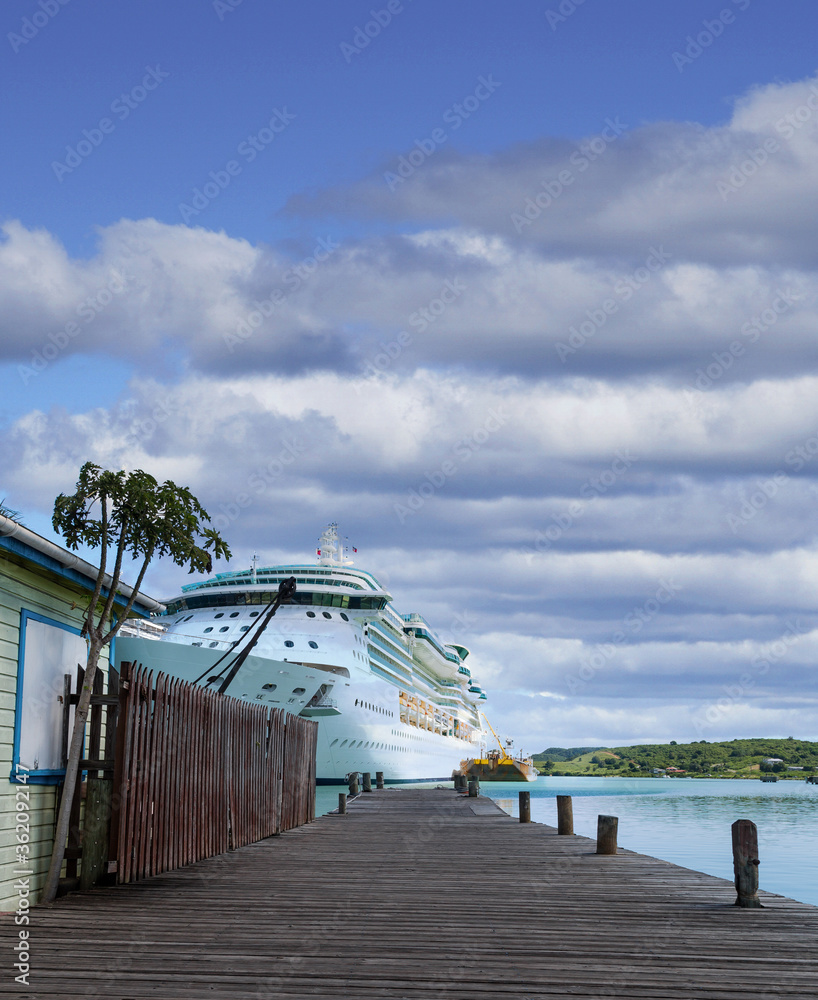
389,695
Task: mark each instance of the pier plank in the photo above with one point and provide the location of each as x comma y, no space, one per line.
421,894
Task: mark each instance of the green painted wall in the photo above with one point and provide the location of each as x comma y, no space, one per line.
25,585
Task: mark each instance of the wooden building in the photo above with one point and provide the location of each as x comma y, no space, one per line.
44,590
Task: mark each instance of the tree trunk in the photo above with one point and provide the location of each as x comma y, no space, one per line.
71,770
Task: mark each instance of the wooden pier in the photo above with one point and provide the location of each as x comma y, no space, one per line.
420,894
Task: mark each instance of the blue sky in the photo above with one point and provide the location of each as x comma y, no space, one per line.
590,293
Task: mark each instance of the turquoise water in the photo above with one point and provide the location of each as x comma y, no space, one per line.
686,821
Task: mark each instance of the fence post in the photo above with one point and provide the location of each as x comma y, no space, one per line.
525,807
606,827
745,863
565,815
342,803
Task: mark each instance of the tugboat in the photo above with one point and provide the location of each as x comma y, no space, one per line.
499,765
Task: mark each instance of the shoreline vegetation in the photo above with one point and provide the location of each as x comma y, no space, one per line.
751,758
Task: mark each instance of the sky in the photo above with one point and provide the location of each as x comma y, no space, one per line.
523,296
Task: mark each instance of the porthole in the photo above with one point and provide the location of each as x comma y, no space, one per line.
234,614
219,615
225,628
195,644
268,687
289,643
343,744
254,614
187,619
310,614
244,628
326,614
213,644
333,743
209,628
299,690
345,617
313,645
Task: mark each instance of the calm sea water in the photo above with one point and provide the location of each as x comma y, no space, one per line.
686,821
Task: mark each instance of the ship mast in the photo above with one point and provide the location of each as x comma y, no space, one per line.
331,549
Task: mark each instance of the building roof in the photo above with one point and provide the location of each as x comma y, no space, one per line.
24,542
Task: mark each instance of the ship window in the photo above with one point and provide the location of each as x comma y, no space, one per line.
313,645
326,614
333,743
209,628
299,690
234,614
254,614
225,628
219,615
345,617
195,644
244,628
289,643
187,619
344,743
268,687
310,614
212,644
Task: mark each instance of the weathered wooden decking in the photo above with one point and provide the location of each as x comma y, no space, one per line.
421,894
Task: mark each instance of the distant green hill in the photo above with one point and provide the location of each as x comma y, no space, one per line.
564,753
733,759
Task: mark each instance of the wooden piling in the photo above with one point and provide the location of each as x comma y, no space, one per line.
565,815
379,779
353,783
367,776
474,788
342,803
525,807
606,827
745,863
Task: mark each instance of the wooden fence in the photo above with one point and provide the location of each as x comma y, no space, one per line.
197,774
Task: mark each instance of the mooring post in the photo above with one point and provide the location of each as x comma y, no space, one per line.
745,863
367,781
342,803
565,815
606,827
353,783
525,807
379,779
474,788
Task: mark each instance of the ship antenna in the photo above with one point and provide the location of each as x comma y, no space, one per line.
253,572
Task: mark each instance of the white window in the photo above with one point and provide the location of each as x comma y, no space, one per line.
48,651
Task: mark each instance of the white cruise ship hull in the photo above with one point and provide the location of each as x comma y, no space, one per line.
359,724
